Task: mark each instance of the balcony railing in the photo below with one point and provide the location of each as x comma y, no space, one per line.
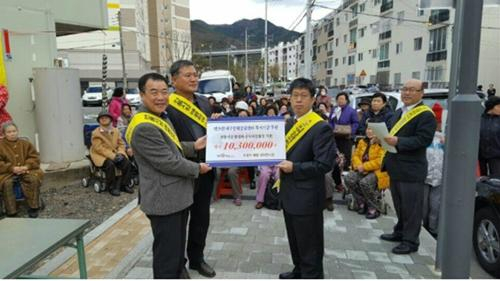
439,16
384,64
437,56
353,23
386,6
385,35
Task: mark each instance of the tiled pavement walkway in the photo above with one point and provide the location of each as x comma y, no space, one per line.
247,243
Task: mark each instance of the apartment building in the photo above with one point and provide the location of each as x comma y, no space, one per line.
285,56
387,42
155,33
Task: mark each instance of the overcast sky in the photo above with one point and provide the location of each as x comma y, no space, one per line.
280,12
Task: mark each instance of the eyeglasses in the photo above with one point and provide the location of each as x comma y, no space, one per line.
411,90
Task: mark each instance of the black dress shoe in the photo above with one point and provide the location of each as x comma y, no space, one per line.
114,192
33,213
391,237
184,274
404,249
289,275
127,189
204,269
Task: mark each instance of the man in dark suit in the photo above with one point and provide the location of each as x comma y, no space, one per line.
302,189
185,81
408,167
167,178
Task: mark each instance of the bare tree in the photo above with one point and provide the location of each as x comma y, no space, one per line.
274,71
178,46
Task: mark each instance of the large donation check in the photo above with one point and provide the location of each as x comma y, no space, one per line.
245,141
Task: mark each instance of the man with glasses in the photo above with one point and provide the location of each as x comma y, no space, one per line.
311,150
167,177
189,113
412,129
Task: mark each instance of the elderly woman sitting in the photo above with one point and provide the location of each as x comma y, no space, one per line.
19,165
108,151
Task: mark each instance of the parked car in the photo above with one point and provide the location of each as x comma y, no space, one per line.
133,97
93,96
217,84
486,233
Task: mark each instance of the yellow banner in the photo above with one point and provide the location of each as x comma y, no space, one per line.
3,72
144,117
187,108
408,117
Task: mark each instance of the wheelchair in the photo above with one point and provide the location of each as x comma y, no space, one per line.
97,176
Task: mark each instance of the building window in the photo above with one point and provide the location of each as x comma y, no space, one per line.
351,60
345,38
374,53
435,73
420,12
437,39
352,36
325,28
338,21
335,82
401,17
399,47
415,75
343,60
354,11
336,42
362,7
417,43
384,52
360,57
346,17
319,49
330,63
336,62
362,32
397,79
376,2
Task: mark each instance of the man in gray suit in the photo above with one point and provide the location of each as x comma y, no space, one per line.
167,177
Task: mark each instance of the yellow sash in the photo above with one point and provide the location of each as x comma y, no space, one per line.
303,125
144,117
408,117
300,128
188,108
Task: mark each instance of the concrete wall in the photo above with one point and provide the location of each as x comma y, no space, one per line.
32,30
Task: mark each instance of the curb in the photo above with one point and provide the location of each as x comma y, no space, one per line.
66,254
128,262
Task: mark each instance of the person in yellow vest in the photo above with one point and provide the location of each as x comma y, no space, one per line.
19,162
412,130
311,150
108,151
366,179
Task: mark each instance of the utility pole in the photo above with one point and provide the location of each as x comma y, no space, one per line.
210,56
125,84
104,85
308,43
457,202
265,49
246,56
228,51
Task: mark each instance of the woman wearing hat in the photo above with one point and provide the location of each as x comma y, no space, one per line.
489,139
108,151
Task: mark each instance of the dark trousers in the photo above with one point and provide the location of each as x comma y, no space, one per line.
112,181
344,146
408,198
337,174
169,234
199,218
490,167
305,237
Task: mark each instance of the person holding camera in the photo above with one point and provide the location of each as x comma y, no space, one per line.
108,151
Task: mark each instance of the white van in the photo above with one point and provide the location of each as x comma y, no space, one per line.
217,84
